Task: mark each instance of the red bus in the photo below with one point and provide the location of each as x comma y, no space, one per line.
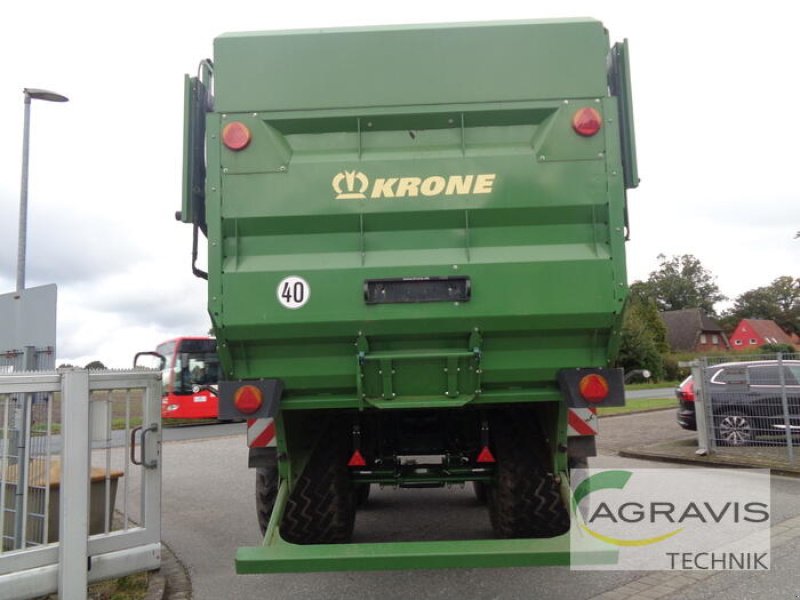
189,373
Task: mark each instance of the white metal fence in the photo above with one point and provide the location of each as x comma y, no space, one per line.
749,405
31,358
80,479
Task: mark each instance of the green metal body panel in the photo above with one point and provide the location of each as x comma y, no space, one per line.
542,242
430,65
415,154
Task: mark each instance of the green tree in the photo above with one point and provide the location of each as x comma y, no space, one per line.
643,338
778,301
646,310
95,364
682,282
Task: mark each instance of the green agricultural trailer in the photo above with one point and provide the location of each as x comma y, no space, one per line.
416,273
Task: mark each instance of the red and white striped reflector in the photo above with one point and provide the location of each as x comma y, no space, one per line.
582,421
261,433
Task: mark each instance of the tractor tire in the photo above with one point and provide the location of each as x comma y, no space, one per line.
321,508
266,490
525,498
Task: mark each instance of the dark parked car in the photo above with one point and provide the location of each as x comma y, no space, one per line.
746,400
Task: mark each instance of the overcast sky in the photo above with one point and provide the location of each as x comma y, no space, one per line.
715,92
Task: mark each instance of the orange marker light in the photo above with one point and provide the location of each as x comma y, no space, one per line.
236,136
587,122
593,388
248,399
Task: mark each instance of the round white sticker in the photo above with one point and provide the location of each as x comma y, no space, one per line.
293,292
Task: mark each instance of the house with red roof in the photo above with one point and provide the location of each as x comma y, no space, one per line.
752,333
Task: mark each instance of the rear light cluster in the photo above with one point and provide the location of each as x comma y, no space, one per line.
686,391
248,399
593,388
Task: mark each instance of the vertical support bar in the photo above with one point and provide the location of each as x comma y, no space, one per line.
452,377
6,450
363,241
47,466
23,197
785,405
358,127
463,137
125,477
236,242
466,234
699,370
107,507
151,451
386,372
23,440
73,512
360,382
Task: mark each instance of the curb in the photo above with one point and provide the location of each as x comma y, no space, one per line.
156,586
171,581
648,453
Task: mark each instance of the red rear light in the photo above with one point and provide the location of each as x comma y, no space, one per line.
236,136
593,388
248,399
587,122
357,460
687,391
486,456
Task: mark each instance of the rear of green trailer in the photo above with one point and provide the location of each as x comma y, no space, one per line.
415,248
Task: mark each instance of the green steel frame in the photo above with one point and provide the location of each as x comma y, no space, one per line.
278,556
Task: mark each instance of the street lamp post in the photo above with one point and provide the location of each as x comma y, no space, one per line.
23,401
47,96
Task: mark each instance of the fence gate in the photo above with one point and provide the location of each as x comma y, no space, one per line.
80,479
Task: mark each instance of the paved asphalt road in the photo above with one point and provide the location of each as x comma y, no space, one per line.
209,510
654,393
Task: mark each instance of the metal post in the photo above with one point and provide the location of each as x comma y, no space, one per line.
23,198
23,437
73,550
785,404
704,441
47,96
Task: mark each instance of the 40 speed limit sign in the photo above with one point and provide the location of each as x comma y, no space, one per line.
293,292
